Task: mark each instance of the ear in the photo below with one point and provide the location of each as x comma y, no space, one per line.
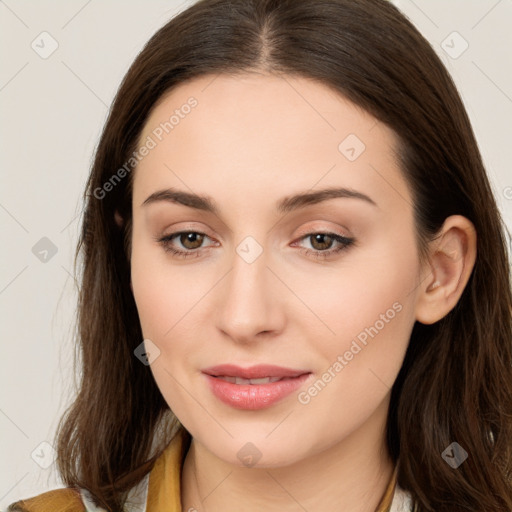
451,260
119,220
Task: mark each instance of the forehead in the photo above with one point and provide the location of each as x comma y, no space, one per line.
264,133
258,105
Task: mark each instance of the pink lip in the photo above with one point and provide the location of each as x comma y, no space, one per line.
254,396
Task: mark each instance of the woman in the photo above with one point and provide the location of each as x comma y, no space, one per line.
295,287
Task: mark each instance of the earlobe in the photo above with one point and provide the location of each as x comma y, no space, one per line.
119,220
451,261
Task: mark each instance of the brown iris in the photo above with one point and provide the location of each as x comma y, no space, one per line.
320,236
195,239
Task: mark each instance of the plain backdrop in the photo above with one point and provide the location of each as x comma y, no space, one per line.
61,65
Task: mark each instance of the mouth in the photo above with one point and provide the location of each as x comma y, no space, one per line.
253,373
253,388
252,382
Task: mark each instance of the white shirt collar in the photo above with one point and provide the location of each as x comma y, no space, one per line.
402,501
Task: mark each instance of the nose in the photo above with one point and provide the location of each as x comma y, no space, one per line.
249,303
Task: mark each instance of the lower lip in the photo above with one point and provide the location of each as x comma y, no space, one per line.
254,396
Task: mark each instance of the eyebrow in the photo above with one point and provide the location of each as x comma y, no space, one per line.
285,205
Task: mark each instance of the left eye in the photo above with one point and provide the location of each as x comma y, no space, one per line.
320,239
321,242
190,237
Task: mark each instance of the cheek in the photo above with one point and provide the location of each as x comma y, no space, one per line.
165,297
147,289
367,310
155,296
352,295
164,292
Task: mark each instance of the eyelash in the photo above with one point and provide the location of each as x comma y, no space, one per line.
344,242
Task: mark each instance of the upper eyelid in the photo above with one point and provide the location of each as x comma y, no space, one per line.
302,234
341,231
314,231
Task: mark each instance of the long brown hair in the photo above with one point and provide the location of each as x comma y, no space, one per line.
455,384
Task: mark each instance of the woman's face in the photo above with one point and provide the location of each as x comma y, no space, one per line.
252,284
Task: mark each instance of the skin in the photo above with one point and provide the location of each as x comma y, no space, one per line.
252,140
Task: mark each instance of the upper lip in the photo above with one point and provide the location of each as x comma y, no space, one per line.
253,372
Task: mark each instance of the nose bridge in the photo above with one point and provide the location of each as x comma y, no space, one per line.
248,304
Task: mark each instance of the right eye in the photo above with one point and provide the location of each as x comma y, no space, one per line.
190,240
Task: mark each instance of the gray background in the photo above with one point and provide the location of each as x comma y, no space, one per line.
53,110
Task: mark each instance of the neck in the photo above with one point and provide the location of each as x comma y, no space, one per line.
350,476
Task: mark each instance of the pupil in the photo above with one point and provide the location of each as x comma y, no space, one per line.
193,238
319,238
